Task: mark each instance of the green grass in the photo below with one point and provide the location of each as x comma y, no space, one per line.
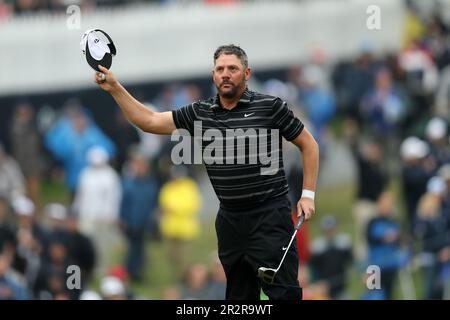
160,273
54,192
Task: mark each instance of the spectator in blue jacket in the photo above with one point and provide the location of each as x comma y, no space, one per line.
432,228
383,107
70,139
319,105
140,192
12,286
383,238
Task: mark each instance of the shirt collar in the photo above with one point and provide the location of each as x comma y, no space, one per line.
245,99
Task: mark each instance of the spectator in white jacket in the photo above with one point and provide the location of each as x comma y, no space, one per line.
97,203
12,181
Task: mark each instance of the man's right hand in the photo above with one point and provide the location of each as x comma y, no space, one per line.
109,82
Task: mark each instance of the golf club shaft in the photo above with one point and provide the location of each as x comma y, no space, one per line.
299,223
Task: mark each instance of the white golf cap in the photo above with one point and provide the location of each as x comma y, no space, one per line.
56,211
97,156
444,172
90,295
436,129
413,148
23,206
98,48
436,185
111,286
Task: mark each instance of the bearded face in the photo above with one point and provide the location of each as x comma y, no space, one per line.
230,76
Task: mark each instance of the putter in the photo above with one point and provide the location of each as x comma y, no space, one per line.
268,274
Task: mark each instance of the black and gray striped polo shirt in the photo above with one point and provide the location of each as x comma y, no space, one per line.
257,121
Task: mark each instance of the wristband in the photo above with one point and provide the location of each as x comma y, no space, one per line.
308,194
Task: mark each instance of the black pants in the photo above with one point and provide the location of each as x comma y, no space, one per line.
255,238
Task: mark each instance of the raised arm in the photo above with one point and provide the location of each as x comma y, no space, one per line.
310,154
141,116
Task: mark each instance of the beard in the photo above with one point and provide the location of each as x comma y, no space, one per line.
230,93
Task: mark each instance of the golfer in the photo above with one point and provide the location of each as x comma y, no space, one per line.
254,219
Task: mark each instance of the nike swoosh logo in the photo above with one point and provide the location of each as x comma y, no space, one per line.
248,115
284,248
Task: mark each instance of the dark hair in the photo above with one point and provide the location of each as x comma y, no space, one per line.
232,49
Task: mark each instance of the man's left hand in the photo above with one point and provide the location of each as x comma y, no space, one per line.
307,206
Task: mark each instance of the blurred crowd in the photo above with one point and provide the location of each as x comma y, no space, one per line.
394,115
30,7
391,111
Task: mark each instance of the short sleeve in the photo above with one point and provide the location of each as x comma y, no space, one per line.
284,119
184,117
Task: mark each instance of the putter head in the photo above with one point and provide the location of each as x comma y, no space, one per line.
267,274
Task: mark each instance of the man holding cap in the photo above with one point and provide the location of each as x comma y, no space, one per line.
254,221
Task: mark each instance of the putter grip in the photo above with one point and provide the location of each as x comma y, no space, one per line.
300,221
